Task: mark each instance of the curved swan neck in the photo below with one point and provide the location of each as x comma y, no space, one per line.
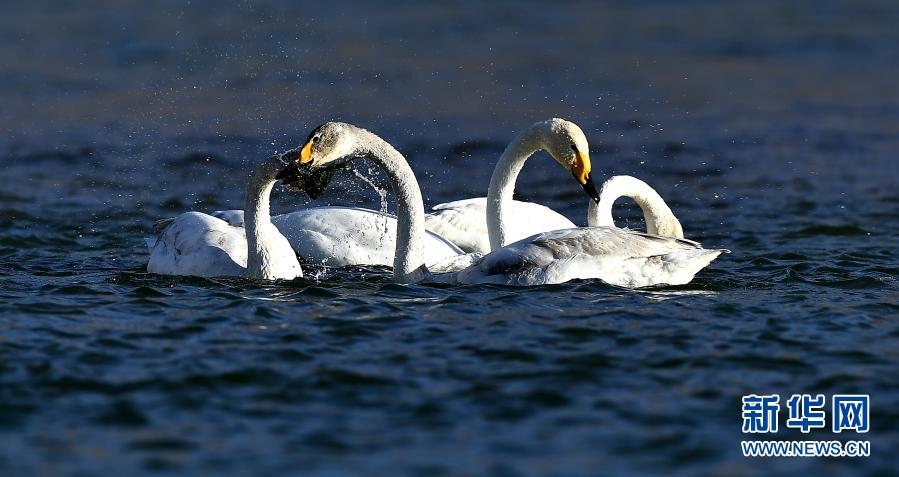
265,245
502,182
408,260
659,218
600,215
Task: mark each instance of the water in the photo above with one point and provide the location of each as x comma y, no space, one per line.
771,128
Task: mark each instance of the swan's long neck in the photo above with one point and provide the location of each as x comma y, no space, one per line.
266,255
658,216
502,182
408,260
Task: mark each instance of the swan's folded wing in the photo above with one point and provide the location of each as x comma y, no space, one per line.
453,264
607,241
617,256
463,222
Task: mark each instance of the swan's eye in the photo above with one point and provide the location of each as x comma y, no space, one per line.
315,138
574,148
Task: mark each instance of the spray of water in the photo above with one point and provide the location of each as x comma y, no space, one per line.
381,226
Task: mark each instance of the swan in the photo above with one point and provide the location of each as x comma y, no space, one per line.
341,236
198,244
616,256
344,236
656,213
464,222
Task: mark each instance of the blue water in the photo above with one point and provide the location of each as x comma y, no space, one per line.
772,128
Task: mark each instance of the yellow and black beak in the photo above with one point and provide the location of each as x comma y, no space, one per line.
581,172
590,189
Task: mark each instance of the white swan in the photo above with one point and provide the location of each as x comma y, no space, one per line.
343,236
656,213
616,256
201,245
464,222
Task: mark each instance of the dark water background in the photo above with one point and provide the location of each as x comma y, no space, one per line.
771,127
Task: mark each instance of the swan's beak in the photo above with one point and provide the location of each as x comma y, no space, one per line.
306,153
581,172
590,189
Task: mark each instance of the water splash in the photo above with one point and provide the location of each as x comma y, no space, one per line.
381,227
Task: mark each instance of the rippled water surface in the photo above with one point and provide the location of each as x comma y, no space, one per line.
772,128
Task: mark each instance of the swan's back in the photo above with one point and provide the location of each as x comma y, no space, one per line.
342,236
197,244
616,256
464,222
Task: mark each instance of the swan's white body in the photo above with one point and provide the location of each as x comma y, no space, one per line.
464,222
617,256
197,244
343,236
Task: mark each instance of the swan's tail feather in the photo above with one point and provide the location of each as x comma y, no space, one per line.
694,260
675,268
161,224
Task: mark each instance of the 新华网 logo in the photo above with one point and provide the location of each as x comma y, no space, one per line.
806,412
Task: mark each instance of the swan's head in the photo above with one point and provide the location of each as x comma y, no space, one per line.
310,168
329,144
327,149
567,144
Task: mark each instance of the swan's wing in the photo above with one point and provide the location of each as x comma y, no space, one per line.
234,217
343,236
199,245
617,256
454,264
464,222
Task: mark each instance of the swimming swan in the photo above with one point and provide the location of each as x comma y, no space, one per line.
656,213
340,236
616,256
201,245
465,222
460,219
